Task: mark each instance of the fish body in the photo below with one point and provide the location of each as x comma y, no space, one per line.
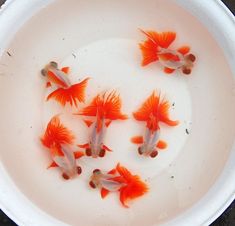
59,140
153,112
65,92
103,109
157,48
120,180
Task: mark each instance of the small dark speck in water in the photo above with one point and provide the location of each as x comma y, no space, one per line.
173,104
147,179
63,39
9,54
189,188
172,177
186,130
31,127
74,56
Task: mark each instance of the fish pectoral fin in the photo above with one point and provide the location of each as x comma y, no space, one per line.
168,70
52,165
113,171
48,84
83,145
184,50
107,123
104,192
88,122
106,148
161,144
65,70
137,140
78,154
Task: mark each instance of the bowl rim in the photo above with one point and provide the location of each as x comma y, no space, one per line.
221,194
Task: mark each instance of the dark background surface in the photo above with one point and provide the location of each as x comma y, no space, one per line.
226,219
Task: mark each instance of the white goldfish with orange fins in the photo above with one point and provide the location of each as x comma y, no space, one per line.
153,111
103,109
120,180
157,48
59,140
65,92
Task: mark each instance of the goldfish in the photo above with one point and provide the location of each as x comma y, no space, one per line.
59,140
157,48
153,111
121,180
104,108
65,92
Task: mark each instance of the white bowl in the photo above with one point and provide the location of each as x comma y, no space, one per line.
104,36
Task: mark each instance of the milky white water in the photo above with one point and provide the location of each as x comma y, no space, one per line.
100,40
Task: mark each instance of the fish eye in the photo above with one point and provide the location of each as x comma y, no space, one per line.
88,152
54,64
44,72
191,57
92,184
140,151
154,154
65,176
186,70
102,153
96,171
79,170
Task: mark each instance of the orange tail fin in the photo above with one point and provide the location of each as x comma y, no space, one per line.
56,133
162,39
70,95
164,114
135,186
149,52
150,47
153,111
107,105
148,108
